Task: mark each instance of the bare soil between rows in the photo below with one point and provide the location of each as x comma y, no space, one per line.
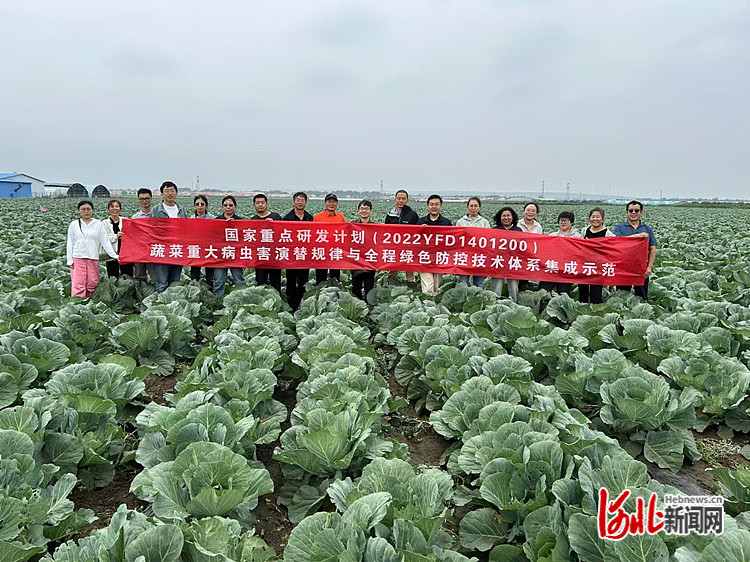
105,501
405,425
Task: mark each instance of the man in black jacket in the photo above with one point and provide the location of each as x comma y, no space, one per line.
296,278
266,276
401,214
431,281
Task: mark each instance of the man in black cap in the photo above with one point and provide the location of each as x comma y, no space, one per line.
329,215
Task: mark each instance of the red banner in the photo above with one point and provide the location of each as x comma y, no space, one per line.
435,249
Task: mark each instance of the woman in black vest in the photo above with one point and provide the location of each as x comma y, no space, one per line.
596,229
113,228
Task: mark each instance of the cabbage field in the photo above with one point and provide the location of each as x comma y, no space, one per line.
143,427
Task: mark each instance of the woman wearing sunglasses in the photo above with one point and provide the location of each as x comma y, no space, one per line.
200,204
228,206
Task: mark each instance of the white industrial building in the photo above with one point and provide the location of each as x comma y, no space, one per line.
37,185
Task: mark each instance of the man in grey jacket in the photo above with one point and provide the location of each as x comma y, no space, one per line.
166,274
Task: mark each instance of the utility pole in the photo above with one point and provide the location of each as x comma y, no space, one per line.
567,190
542,197
197,183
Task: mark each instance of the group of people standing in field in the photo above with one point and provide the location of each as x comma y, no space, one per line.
88,236
507,218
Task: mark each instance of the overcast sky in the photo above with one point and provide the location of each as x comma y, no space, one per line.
630,98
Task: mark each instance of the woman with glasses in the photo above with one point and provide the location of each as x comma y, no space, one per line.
86,238
565,222
200,204
228,207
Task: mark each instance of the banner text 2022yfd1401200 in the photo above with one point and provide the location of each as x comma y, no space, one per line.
435,249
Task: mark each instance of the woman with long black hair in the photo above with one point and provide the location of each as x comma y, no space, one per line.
113,226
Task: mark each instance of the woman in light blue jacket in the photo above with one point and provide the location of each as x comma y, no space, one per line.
473,218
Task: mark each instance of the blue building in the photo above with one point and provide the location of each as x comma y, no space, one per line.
13,187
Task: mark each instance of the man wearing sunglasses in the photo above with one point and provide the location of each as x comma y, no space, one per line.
635,228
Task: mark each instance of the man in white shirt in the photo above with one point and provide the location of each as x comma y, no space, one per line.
166,274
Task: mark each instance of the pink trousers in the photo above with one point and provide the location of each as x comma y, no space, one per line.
84,277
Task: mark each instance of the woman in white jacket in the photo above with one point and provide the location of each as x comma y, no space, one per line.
86,237
474,219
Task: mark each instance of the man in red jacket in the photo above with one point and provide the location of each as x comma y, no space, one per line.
329,215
